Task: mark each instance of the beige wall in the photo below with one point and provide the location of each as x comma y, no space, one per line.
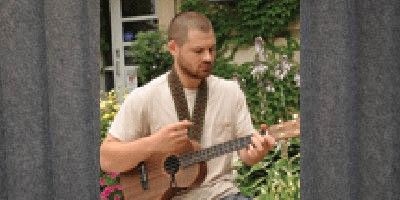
165,11
247,54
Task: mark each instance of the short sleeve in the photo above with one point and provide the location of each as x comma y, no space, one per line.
131,121
244,126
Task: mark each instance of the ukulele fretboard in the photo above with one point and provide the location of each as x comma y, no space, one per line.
214,151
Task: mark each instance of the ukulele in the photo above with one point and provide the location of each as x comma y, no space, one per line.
162,175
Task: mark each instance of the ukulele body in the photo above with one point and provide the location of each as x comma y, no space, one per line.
159,180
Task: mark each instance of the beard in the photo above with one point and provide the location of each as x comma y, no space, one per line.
191,71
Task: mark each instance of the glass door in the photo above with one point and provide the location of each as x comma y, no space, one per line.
128,17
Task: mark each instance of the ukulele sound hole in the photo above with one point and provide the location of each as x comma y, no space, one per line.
171,165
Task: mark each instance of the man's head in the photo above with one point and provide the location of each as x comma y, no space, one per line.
192,44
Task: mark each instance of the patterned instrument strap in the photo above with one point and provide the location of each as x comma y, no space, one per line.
181,105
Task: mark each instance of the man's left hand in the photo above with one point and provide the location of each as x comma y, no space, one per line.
257,150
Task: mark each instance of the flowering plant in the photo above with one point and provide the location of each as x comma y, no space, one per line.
276,177
110,189
271,84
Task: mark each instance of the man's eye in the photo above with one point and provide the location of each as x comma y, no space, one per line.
198,51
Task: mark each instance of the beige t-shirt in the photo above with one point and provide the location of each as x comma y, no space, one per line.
148,108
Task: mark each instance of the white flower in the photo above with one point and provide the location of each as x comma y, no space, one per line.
286,65
258,71
258,49
270,88
284,72
297,79
258,42
277,73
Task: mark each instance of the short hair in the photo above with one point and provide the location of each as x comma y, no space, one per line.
181,23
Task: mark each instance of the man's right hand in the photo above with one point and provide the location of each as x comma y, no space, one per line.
171,137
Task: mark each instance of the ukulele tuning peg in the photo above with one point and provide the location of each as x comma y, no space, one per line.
264,128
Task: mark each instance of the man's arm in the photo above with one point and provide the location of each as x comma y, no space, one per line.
119,156
260,146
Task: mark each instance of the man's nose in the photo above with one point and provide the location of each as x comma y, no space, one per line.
207,56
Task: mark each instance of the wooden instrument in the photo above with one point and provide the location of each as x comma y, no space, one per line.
164,174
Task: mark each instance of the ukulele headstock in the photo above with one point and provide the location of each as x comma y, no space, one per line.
283,130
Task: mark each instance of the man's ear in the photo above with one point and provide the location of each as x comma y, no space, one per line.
171,47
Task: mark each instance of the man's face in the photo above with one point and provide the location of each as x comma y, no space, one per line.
196,56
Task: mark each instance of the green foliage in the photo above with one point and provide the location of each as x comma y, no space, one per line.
291,46
266,107
273,178
150,54
237,23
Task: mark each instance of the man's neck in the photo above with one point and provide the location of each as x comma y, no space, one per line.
187,81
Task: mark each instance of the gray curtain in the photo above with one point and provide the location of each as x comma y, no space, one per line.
49,99
350,99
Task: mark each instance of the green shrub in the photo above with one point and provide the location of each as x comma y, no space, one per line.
150,53
265,106
238,22
273,178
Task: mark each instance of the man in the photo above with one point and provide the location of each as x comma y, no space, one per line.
186,102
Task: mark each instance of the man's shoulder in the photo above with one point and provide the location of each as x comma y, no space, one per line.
156,82
219,83
150,88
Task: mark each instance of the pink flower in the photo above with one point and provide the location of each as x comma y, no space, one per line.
106,192
102,182
113,175
104,195
118,187
116,197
